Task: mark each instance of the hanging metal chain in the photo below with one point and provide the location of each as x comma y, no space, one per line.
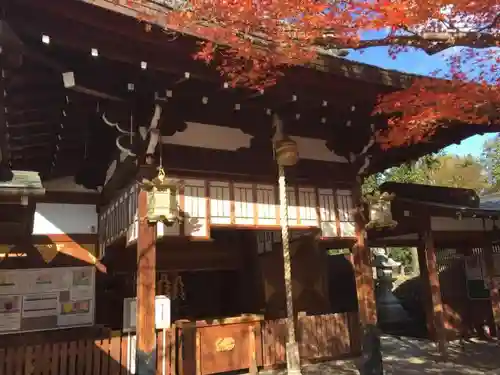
287,263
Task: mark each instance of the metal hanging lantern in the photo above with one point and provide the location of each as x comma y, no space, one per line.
162,199
380,212
286,152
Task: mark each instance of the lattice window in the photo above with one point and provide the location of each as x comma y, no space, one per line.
445,258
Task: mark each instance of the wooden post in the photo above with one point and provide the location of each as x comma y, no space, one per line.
146,291
426,292
252,347
363,268
371,348
436,315
494,292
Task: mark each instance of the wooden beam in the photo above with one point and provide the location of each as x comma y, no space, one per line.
435,314
69,80
171,58
146,291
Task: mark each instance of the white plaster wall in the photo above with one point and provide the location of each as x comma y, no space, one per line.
62,218
66,184
232,139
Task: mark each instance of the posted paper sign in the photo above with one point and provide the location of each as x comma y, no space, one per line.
10,313
162,313
48,298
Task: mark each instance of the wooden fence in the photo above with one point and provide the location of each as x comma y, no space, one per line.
320,337
109,355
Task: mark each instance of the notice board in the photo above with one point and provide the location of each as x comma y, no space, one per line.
162,313
46,298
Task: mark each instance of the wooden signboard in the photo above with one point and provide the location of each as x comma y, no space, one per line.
46,298
205,203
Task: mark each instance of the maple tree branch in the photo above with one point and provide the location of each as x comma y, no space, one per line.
430,42
492,25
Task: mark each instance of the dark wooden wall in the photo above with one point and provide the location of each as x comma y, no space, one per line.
463,316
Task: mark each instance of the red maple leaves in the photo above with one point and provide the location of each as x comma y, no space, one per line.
250,41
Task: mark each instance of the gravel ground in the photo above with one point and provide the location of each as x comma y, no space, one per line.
405,356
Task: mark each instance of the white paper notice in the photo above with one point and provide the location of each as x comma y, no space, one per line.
133,313
44,304
74,319
46,280
11,282
10,313
82,286
77,294
76,313
10,322
65,293
162,313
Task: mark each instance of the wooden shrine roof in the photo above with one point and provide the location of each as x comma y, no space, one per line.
455,216
52,129
440,200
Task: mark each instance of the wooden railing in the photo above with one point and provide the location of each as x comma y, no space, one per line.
320,337
102,356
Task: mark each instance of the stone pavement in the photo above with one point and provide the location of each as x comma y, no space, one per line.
405,356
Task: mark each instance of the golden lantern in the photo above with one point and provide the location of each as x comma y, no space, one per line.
380,212
162,199
286,152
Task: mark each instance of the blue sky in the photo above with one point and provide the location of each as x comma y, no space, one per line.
416,62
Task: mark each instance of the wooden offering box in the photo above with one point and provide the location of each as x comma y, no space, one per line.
219,345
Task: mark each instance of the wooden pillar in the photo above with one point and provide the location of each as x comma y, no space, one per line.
426,292
435,315
146,291
371,362
363,269
494,292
